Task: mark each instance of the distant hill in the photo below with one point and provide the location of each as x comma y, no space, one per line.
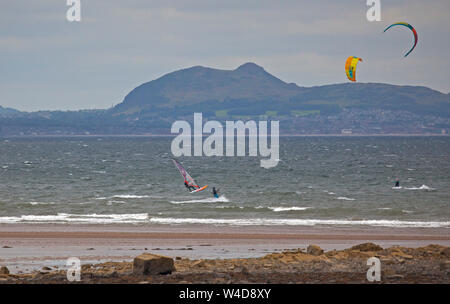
249,92
4,112
249,89
200,85
417,99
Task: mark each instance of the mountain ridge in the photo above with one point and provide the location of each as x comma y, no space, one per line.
250,92
198,84
250,82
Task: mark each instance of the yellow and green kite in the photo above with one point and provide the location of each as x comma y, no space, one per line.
350,67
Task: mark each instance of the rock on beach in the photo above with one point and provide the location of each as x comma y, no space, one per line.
314,250
149,263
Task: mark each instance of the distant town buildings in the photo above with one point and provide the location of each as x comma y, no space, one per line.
346,131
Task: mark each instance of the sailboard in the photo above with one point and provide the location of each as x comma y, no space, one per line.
188,178
200,189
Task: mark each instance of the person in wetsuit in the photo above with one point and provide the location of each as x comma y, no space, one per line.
189,187
215,192
397,183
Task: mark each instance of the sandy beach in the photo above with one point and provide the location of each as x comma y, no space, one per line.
26,249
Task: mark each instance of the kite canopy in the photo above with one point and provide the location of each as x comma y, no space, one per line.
416,38
350,67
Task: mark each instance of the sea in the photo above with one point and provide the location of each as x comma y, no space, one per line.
319,181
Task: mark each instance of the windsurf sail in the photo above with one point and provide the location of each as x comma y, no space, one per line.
188,178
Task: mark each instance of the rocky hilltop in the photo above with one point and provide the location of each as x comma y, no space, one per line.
250,90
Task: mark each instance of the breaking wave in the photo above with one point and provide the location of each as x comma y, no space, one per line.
221,199
145,218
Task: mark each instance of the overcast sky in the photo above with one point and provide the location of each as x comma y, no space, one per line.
48,63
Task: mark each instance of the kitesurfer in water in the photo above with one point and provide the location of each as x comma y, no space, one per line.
397,183
189,187
215,192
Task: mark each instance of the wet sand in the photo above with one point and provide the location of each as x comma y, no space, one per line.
29,247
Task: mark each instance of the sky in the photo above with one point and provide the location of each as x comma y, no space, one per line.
49,63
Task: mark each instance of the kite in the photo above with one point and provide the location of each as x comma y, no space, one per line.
416,38
350,67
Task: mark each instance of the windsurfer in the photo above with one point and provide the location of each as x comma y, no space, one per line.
189,182
189,187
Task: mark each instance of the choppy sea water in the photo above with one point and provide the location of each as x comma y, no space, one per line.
343,181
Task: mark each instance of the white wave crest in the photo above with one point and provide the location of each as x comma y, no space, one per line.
110,202
298,222
144,218
129,196
281,209
345,198
78,218
221,199
125,196
423,187
41,203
